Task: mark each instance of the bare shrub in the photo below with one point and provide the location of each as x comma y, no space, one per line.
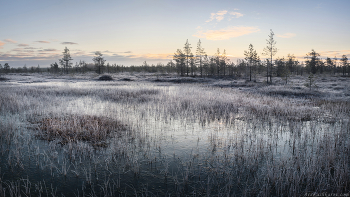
93,129
105,78
129,96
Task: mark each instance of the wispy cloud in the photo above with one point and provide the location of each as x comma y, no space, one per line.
117,55
17,49
320,5
142,57
1,44
22,45
71,43
30,48
42,41
28,56
227,33
236,14
107,51
10,41
218,16
80,53
333,54
47,50
286,35
157,56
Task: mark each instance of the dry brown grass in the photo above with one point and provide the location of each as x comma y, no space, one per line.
73,128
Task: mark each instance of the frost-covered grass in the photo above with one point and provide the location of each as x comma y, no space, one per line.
74,128
163,135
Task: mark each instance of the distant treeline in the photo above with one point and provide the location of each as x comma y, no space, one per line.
280,68
185,63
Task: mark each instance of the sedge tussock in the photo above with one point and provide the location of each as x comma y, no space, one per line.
93,129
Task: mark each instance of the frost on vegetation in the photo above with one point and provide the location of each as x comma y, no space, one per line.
74,128
265,141
105,78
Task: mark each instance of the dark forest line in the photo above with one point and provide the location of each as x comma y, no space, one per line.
185,63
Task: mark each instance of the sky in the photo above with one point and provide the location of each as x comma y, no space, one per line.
35,32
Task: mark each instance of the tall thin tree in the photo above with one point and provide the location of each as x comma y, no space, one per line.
251,57
180,59
199,57
270,50
189,55
217,59
223,62
65,61
344,62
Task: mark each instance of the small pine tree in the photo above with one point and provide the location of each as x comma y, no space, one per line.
180,59
313,62
54,68
251,57
65,61
99,62
6,68
344,62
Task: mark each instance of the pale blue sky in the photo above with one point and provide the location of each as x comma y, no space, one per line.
130,32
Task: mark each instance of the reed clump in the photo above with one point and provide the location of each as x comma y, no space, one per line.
73,128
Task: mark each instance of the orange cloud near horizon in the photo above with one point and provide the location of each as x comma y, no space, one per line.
227,33
332,54
10,41
155,56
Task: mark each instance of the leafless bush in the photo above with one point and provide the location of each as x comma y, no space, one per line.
73,128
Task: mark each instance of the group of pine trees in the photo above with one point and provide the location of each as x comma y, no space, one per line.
5,69
185,63
188,64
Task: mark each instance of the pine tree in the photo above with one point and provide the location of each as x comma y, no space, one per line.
313,62
25,69
199,57
217,61
187,52
344,61
6,68
54,68
65,61
99,62
330,64
270,50
251,57
223,62
180,59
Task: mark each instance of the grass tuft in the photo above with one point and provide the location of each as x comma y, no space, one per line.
74,128
105,78
3,79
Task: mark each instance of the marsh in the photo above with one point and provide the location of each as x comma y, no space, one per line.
154,136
